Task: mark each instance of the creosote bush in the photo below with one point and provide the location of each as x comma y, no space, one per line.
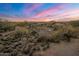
34,37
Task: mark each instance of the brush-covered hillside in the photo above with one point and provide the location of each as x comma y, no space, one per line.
29,38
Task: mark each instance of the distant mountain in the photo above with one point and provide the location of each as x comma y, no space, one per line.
14,19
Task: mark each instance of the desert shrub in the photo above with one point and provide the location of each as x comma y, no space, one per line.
74,23
33,32
7,49
28,50
44,46
64,34
58,26
73,31
6,27
27,41
1,47
20,33
4,54
44,39
21,24
14,52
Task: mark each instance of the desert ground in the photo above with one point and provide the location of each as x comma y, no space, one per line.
39,38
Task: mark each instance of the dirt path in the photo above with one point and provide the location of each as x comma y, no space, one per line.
62,49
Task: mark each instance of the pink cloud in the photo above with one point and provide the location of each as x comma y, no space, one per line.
50,10
69,13
29,10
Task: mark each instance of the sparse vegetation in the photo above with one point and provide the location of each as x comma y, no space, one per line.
26,38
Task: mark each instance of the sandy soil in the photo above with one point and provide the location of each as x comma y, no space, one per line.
62,49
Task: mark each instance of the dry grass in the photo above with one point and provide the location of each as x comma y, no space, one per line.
28,38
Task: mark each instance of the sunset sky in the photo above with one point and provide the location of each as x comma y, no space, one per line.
39,10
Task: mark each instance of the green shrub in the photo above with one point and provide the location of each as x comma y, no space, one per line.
65,34
4,27
74,23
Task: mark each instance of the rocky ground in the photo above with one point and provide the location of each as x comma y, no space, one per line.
39,39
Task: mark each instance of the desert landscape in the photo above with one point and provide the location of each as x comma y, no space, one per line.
39,38
39,29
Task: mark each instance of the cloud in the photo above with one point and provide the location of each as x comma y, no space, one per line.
50,10
32,8
68,13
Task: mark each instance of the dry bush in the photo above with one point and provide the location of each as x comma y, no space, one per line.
65,33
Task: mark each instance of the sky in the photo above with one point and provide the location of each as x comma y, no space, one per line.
39,11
